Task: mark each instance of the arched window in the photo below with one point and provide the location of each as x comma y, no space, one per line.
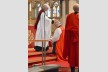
56,9
53,12
49,10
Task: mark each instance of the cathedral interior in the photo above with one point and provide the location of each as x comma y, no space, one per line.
59,9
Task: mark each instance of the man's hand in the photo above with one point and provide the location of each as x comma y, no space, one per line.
50,39
53,20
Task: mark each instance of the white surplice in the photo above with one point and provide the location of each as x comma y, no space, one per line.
43,31
56,35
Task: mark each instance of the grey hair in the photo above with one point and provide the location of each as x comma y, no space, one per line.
46,6
58,23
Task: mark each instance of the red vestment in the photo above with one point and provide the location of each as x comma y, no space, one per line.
38,18
71,40
60,45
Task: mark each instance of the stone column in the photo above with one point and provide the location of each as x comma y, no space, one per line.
71,3
63,19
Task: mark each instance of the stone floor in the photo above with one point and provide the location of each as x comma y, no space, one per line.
38,69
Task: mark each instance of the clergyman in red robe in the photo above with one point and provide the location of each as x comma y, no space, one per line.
71,41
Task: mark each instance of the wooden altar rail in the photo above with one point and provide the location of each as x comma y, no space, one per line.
38,40
43,50
31,41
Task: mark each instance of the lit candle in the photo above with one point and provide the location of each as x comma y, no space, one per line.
30,7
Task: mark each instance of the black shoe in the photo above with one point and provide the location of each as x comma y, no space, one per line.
78,69
39,49
53,53
72,69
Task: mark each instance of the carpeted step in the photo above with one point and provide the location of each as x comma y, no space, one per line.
31,50
36,57
38,54
39,59
34,54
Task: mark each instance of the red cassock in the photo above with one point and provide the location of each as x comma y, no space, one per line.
37,19
71,40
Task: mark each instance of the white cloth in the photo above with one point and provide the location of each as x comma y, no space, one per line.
56,35
43,28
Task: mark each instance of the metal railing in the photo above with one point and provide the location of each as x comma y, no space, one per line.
43,49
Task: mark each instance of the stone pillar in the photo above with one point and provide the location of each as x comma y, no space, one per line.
64,15
71,3
29,14
63,19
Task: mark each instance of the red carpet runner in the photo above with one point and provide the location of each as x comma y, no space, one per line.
36,57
